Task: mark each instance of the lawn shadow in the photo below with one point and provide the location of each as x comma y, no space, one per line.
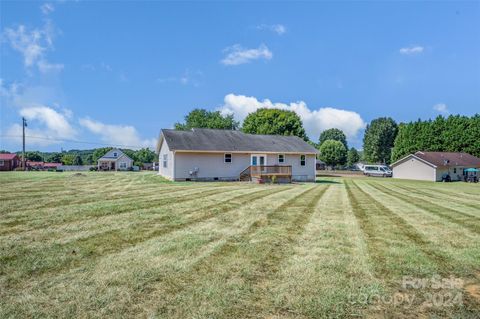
327,182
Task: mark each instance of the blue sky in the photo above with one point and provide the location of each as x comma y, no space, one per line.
114,73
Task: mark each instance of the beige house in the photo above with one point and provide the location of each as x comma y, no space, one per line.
208,154
114,160
434,166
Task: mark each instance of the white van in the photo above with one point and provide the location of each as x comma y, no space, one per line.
377,170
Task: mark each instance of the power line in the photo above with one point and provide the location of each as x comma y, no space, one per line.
74,141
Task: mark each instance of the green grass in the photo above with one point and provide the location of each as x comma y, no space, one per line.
135,245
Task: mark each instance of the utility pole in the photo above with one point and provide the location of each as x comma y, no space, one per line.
24,124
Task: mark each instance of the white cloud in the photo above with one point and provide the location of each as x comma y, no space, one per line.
33,44
441,108
45,126
55,122
411,50
47,8
277,28
236,54
314,121
117,135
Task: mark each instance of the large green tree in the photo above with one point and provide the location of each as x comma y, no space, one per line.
77,160
455,133
201,118
54,157
333,134
145,155
274,122
379,139
352,156
333,153
33,156
68,159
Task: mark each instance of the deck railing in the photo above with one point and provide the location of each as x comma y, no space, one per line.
263,170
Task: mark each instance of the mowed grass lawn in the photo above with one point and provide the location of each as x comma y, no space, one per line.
133,244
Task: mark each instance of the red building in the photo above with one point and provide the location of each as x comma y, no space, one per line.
42,166
8,162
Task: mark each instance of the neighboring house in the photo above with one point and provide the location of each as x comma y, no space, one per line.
42,166
115,160
434,166
8,162
208,154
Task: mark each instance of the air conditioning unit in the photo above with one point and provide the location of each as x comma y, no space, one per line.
193,172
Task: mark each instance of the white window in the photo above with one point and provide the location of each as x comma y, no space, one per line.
115,154
281,158
165,160
227,158
123,165
2,162
454,170
303,160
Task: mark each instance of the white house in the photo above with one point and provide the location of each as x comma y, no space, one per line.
434,166
208,154
114,160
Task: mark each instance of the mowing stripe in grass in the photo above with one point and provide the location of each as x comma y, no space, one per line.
73,185
401,227
56,233
114,207
92,287
381,250
77,199
85,203
455,204
436,197
469,196
328,264
261,249
467,221
113,241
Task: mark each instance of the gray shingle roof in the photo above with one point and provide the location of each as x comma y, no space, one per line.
233,141
110,155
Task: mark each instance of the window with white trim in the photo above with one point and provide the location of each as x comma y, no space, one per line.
115,154
2,162
281,158
123,165
227,158
165,160
303,160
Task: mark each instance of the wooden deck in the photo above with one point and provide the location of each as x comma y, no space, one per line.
267,172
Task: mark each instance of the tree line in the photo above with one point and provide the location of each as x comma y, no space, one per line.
384,141
87,157
455,133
